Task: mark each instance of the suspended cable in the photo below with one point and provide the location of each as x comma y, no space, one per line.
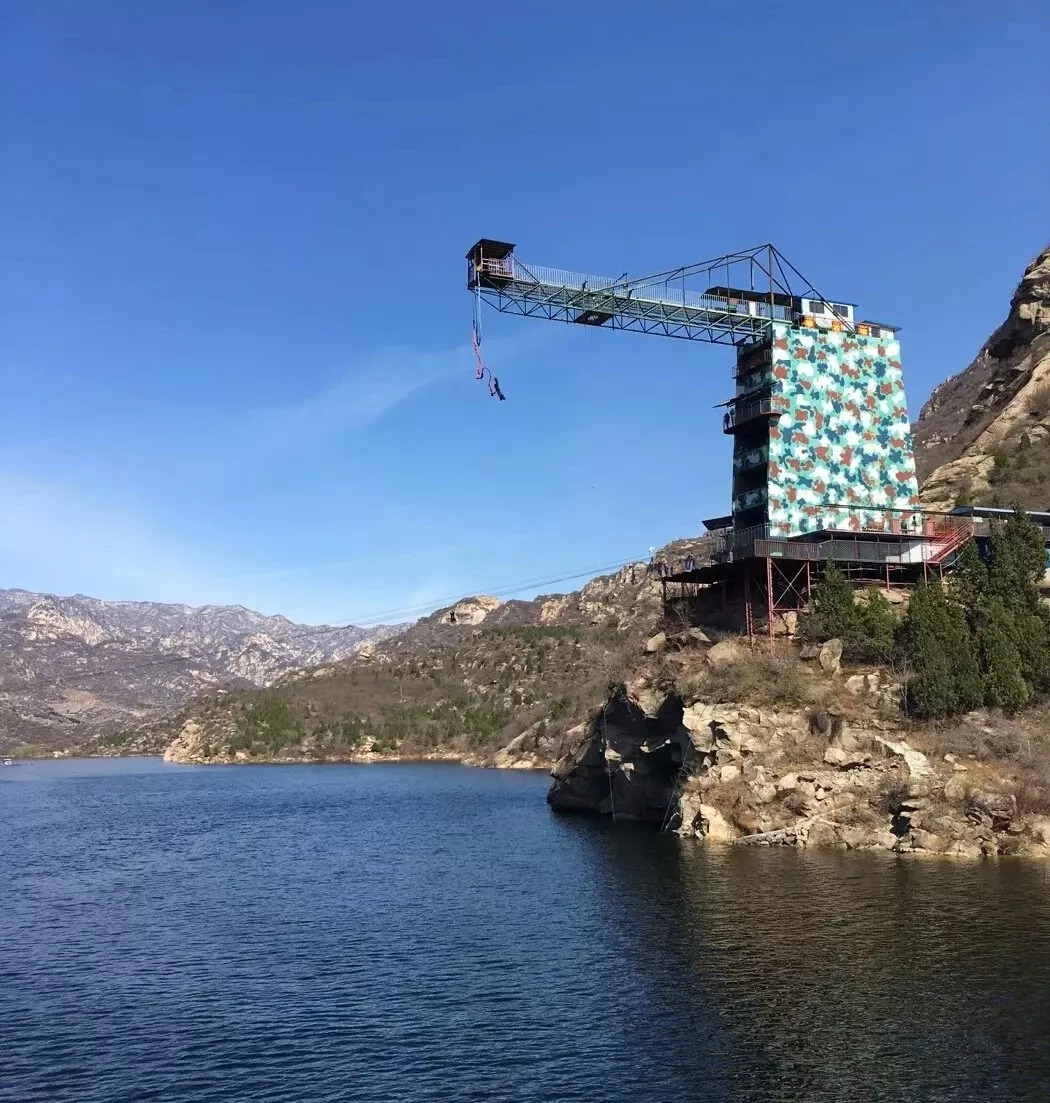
396,613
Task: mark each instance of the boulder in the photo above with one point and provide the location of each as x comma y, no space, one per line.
856,837
955,790
927,840
998,807
656,643
918,764
726,736
963,849
830,656
857,685
787,782
1039,829
711,825
726,653
752,744
846,760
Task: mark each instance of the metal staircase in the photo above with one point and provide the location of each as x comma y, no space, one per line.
949,534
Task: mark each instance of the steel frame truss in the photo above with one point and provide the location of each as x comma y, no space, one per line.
694,302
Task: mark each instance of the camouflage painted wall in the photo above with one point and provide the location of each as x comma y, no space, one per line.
843,434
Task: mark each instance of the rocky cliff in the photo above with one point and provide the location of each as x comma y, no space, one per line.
817,758
984,434
76,666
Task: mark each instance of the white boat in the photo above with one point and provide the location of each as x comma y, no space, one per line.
8,762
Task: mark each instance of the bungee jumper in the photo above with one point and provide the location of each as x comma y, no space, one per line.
481,371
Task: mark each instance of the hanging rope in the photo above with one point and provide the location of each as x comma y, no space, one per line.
481,372
475,337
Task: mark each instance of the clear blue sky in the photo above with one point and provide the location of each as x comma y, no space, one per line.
235,333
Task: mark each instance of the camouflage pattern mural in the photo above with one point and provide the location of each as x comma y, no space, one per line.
843,436
840,451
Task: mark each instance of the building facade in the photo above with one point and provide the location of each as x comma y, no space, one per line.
822,438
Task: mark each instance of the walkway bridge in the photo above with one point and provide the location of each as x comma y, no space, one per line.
731,300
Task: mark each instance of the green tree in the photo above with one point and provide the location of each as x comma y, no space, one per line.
876,625
1008,620
969,580
833,609
866,627
1018,563
1000,663
936,644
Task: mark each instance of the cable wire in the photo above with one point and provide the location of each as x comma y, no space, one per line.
374,619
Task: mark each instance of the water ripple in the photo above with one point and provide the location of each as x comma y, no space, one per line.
433,933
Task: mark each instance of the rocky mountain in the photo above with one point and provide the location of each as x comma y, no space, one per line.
465,682
75,666
984,434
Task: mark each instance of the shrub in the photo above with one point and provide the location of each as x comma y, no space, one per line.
890,796
1032,794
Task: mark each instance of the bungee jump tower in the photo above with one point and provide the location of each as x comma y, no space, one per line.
823,467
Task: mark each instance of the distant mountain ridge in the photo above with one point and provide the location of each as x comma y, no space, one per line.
74,666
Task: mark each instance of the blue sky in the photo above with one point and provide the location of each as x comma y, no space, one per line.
235,334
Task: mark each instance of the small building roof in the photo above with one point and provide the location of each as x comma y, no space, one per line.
1040,516
715,524
489,247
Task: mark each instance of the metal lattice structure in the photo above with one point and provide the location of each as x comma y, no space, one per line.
733,299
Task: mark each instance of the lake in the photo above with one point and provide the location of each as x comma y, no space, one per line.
432,932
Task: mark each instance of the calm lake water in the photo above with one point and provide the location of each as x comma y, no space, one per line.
435,933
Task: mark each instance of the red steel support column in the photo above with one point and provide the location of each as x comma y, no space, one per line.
748,618
769,600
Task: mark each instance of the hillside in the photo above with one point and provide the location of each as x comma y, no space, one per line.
466,681
75,666
984,434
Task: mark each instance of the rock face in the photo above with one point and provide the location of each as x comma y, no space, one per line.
74,665
728,774
1002,395
628,764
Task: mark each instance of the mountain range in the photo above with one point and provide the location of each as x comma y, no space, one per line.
76,666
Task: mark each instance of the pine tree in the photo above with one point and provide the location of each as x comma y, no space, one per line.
876,626
969,581
834,613
937,647
1018,563
999,660
866,627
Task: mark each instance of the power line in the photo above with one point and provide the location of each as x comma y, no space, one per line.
404,611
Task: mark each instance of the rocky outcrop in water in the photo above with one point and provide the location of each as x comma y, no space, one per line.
628,764
753,776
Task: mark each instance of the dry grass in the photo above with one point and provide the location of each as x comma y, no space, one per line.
762,680
890,796
1032,792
